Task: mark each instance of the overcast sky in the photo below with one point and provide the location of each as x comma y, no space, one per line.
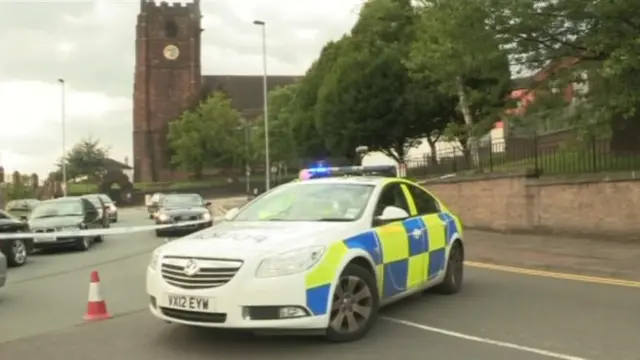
90,43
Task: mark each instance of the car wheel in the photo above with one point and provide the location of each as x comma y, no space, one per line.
354,306
115,219
84,243
17,254
452,282
99,238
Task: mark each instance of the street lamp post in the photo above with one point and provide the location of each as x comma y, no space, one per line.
265,95
63,116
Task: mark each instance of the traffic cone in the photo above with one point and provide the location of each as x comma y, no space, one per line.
96,307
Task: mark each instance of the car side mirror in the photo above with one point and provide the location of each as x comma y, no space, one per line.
208,203
389,214
231,214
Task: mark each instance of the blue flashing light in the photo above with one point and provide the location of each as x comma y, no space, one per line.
323,172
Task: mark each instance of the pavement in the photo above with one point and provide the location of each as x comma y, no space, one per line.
499,315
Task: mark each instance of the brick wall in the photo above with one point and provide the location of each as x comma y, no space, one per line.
591,205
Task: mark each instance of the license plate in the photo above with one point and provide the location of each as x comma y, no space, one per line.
44,239
192,303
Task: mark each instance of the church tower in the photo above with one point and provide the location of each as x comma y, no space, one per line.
167,81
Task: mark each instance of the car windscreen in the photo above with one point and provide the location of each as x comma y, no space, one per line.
187,200
18,205
95,201
309,201
105,199
57,208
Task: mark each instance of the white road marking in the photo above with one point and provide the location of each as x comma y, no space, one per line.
502,344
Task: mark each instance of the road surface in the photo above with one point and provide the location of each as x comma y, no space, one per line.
498,316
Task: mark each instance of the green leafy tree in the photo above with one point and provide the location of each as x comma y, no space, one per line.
283,145
369,98
86,158
304,125
206,136
577,42
456,49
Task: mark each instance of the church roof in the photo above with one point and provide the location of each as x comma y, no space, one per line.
245,91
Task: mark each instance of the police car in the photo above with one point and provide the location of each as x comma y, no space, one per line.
320,255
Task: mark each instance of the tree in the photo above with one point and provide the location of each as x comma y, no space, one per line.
577,42
208,135
86,158
368,97
303,120
456,49
283,145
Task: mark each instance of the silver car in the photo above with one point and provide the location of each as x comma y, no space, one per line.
3,269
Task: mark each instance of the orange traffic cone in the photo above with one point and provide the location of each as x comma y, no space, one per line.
96,307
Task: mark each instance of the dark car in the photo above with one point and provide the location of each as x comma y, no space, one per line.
177,208
21,208
68,214
102,208
112,210
15,250
153,205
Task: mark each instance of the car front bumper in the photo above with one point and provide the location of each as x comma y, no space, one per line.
245,302
56,242
177,228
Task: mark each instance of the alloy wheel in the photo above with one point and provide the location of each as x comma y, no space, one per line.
352,305
19,252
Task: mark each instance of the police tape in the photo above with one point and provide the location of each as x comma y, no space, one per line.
68,232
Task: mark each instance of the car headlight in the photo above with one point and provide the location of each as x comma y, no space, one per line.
206,216
113,208
290,262
162,216
155,259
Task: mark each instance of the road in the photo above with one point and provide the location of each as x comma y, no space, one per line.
498,316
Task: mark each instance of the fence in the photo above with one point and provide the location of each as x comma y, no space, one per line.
561,153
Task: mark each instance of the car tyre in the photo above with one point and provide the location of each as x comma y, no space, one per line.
453,277
84,244
115,219
17,253
354,305
99,238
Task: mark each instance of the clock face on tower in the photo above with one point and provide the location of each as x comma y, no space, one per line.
171,52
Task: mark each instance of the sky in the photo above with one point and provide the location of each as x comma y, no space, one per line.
90,44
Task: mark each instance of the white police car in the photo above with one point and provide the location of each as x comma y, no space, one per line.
320,255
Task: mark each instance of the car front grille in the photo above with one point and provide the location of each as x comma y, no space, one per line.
211,273
48,230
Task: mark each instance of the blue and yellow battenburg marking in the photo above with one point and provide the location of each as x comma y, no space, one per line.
405,254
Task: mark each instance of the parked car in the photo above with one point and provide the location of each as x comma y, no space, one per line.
65,214
16,251
102,208
21,208
3,270
112,209
154,204
178,208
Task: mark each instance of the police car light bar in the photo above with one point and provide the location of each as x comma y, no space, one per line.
323,172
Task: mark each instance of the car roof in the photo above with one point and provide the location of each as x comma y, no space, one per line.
63,199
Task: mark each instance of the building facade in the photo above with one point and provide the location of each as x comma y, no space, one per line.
168,80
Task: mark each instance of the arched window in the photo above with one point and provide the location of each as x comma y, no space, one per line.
171,29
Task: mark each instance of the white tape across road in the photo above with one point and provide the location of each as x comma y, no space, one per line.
101,232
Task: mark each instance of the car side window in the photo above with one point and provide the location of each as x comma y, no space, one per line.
425,203
391,195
